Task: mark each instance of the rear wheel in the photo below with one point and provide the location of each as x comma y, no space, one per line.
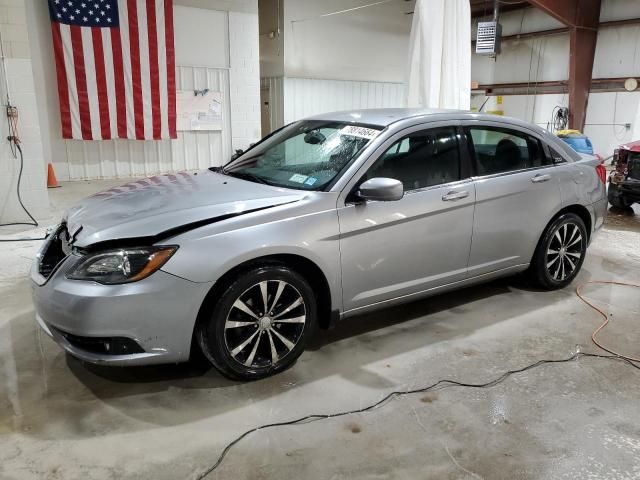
560,252
260,324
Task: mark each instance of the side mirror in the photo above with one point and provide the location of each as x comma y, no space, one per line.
381,189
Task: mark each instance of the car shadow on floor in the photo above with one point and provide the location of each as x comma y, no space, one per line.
425,315
168,395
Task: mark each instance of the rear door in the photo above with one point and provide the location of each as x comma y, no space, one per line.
517,193
397,249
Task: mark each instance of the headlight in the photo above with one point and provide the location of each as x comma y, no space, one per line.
121,266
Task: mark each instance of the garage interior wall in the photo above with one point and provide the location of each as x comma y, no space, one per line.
547,59
362,64
216,48
20,78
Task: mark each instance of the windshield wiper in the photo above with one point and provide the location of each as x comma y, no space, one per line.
248,176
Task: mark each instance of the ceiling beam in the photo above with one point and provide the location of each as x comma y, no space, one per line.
613,84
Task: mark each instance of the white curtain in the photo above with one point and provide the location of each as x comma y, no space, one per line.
439,74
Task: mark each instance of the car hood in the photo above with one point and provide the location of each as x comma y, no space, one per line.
156,206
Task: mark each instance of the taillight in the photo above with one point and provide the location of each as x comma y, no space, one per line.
602,172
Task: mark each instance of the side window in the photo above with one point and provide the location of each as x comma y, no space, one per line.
499,150
422,159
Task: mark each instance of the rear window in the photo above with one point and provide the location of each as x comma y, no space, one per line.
501,150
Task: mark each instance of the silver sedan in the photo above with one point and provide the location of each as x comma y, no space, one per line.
325,218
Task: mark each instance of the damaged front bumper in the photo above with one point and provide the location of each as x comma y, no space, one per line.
140,323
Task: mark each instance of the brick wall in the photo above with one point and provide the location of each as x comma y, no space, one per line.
244,79
19,74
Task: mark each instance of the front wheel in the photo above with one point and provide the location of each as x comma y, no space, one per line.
560,252
260,324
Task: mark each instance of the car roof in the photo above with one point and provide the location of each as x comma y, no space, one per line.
383,117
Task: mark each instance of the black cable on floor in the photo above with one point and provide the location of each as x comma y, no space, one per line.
443,383
14,142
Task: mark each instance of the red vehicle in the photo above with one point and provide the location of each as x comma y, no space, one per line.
624,181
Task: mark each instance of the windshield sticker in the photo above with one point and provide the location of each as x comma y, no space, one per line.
297,178
362,132
310,181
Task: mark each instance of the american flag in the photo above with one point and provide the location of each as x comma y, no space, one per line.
115,63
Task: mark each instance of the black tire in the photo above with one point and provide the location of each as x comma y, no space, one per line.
566,235
248,343
616,199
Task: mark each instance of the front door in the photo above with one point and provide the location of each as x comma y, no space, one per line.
401,248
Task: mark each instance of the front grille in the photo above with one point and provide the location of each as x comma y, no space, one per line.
103,345
56,251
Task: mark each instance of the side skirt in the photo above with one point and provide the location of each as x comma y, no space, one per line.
485,277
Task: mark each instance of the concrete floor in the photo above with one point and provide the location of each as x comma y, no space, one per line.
60,419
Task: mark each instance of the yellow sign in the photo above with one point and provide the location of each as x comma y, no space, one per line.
499,99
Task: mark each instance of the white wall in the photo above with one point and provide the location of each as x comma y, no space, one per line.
618,10
618,51
355,59
244,79
20,76
216,48
606,115
330,61
547,58
305,97
532,60
368,44
197,30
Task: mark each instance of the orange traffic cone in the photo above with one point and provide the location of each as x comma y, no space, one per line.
52,181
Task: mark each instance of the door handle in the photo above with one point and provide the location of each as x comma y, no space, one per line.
541,178
453,196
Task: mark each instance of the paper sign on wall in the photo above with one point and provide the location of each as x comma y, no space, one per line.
199,112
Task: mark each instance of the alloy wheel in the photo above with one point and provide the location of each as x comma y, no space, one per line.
564,252
264,324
